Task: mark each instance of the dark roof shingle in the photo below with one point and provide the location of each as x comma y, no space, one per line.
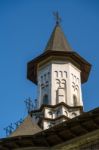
58,41
28,127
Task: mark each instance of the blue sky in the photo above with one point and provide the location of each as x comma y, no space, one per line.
25,27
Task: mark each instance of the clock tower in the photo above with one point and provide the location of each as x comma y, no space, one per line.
58,72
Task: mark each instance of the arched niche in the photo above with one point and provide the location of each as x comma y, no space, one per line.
45,99
75,100
74,114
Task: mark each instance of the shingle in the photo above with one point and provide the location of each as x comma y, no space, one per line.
28,127
58,41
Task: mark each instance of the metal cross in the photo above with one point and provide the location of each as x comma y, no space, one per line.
57,17
9,129
29,105
17,124
36,103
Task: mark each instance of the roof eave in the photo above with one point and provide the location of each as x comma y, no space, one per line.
85,66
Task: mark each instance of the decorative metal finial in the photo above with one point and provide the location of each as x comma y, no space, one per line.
29,105
57,17
9,129
13,126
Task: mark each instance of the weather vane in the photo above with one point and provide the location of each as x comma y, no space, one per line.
57,17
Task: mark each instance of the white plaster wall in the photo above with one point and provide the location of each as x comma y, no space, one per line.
63,79
47,114
59,70
65,111
44,76
71,70
74,77
45,124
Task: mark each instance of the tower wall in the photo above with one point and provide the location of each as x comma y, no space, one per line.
59,81
44,85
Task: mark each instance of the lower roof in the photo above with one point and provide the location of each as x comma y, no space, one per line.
78,126
27,127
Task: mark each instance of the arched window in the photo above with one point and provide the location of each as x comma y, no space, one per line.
45,99
74,100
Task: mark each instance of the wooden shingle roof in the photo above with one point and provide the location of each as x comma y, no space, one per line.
58,41
28,127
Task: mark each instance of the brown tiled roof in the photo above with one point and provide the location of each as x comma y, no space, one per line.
58,41
76,127
28,127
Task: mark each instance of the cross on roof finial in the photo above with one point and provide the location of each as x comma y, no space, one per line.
57,17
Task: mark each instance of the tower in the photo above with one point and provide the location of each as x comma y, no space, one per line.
58,72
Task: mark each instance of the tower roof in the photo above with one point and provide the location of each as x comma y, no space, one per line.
58,48
58,41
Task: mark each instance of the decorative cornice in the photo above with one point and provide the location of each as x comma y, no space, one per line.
43,106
